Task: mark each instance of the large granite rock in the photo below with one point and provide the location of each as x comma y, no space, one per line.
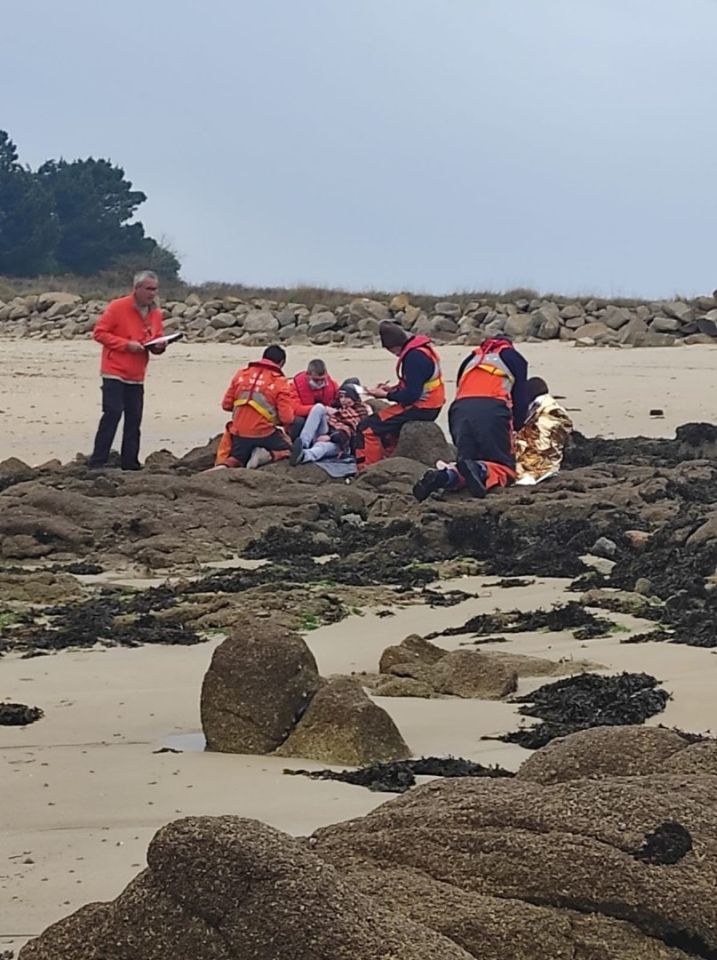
413,649
343,725
223,888
260,681
424,442
603,752
482,855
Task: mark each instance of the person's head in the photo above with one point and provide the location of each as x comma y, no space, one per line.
317,374
348,393
276,354
536,388
393,337
145,286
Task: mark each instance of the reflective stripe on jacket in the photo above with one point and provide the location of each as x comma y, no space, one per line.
434,391
260,399
486,374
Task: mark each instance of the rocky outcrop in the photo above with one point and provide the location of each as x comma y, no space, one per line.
603,752
416,667
497,869
224,888
628,751
343,725
259,683
413,649
257,321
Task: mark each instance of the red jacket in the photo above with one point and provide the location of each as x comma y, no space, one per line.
120,323
305,396
260,399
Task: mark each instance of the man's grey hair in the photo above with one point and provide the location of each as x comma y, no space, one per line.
144,275
317,368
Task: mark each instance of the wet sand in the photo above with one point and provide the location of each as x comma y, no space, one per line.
49,392
83,790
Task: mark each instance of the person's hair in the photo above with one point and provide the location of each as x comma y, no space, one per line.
276,354
144,275
316,368
536,388
392,335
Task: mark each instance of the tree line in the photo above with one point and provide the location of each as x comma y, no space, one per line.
72,217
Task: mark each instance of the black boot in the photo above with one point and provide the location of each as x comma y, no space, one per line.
474,474
431,482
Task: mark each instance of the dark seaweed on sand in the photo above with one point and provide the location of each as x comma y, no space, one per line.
18,714
397,776
588,700
570,616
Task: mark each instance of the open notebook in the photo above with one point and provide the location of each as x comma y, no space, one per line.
163,341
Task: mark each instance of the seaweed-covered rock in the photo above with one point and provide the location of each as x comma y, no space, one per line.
343,725
603,752
259,682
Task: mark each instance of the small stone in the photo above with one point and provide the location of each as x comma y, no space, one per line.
604,547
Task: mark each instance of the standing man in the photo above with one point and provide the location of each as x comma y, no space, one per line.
491,404
419,394
123,329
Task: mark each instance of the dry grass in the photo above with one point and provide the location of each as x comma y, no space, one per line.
105,286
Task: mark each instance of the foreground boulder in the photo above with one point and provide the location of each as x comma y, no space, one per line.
617,869
223,888
482,860
260,681
343,725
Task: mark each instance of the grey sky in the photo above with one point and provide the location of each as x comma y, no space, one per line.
437,145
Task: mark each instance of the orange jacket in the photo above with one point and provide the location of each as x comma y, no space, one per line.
120,323
260,398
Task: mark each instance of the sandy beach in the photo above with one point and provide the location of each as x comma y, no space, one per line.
85,788
49,392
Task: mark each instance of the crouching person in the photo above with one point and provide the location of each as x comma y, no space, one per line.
260,400
330,432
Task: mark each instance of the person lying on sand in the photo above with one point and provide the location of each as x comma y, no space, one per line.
260,400
329,432
491,403
541,441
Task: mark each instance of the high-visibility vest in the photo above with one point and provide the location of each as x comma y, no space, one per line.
434,391
486,374
254,396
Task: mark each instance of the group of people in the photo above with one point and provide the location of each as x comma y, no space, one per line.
506,427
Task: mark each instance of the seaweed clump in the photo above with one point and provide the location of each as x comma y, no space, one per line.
666,844
398,776
569,616
18,714
584,701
